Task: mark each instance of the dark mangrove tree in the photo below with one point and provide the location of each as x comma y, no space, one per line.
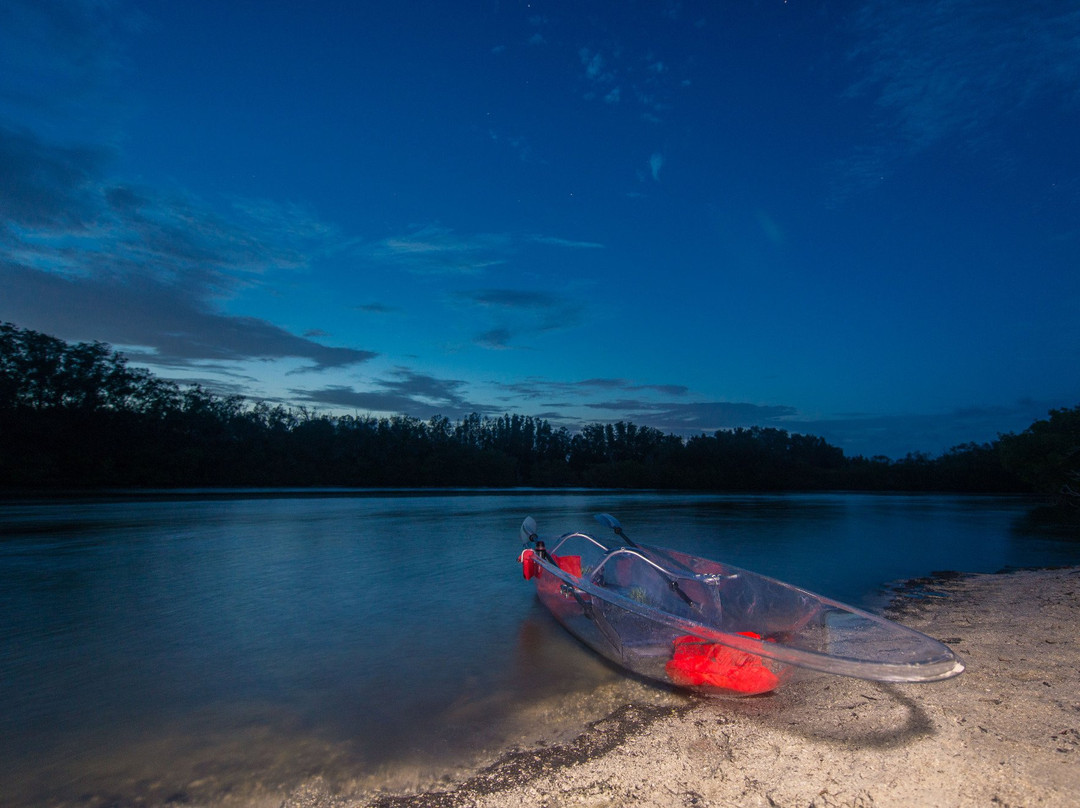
76,416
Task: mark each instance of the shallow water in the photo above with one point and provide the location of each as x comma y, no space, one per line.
224,647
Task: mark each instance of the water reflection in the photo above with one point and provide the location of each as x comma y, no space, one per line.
199,645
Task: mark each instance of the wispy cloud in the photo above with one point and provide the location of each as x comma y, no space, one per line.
438,250
421,396
582,390
406,392
377,308
554,241
896,435
595,67
174,325
667,408
513,299
518,144
603,384
937,69
44,186
665,389
82,257
953,65
59,62
619,74
661,406
538,21
688,418
518,312
656,162
893,436
495,339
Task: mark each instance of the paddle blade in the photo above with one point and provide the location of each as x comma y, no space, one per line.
610,521
528,530
607,520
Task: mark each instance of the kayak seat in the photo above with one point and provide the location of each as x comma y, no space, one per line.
570,564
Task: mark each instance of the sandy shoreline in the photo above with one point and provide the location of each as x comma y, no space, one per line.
1005,733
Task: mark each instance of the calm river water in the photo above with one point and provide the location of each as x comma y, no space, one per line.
224,647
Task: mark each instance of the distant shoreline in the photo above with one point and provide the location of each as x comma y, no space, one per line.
254,492
78,416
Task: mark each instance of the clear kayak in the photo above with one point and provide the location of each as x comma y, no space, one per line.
712,627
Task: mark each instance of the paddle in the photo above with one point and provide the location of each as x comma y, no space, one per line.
528,530
610,521
529,536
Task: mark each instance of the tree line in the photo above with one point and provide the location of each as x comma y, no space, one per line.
78,416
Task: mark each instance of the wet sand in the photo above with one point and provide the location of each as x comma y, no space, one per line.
1005,733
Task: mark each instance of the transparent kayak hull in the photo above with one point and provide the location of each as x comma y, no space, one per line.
713,627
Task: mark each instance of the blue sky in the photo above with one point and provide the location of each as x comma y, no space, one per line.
857,220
